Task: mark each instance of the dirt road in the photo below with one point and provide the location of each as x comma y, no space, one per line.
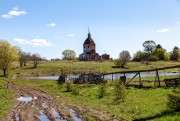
31,104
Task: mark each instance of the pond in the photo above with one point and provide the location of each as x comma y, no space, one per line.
115,76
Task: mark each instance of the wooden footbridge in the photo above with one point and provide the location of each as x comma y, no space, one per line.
157,82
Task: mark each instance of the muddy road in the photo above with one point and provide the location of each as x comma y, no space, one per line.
31,104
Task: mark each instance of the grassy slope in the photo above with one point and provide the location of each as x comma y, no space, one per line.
74,67
139,103
6,101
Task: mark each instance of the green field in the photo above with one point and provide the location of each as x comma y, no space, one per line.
6,99
140,104
49,68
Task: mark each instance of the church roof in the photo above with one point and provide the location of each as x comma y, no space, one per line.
89,40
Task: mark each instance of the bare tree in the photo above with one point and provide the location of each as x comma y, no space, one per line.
35,58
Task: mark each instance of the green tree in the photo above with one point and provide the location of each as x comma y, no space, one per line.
124,58
69,54
8,54
161,53
175,54
139,56
149,47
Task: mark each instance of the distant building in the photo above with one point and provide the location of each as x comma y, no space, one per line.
89,51
105,57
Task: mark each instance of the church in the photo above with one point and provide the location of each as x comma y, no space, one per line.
89,51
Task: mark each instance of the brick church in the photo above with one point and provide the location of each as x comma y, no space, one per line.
89,51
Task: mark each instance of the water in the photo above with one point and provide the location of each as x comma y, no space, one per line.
57,116
43,117
25,99
73,115
128,75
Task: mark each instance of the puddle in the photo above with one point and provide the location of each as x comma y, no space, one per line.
57,116
17,118
73,115
43,117
25,99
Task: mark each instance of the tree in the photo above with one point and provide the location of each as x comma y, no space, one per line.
160,53
8,54
35,58
24,58
149,47
123,59
69,54
139,56
175,54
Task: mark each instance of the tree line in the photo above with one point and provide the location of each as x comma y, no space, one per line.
151,52
9,53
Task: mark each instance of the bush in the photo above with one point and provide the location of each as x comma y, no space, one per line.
68,87
119,92
167,57
153,58
102,90
174,100
75,90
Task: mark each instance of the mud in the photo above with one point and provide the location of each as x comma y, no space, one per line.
31,104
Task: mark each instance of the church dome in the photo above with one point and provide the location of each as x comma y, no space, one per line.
89,40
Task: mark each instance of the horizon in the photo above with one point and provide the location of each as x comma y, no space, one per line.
50,27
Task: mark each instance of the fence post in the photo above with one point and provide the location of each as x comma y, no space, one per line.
140,80
157,75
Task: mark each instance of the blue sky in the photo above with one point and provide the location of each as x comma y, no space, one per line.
48,27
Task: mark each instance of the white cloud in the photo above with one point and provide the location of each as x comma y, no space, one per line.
6,16
14,12
34,42
51,24
20,40
40,42
71,35
163,30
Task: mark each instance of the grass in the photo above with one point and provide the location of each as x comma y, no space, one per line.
6,100
76,67
140,104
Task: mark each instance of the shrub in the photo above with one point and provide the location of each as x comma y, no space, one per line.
174,100
75,90
68,87
102,90
119,92
167,57
153,58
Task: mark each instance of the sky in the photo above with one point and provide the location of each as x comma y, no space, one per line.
48,27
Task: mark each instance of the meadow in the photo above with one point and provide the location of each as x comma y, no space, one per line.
140,104
49,68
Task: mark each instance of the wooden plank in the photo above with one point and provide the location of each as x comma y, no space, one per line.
132,78
147,70
140,79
